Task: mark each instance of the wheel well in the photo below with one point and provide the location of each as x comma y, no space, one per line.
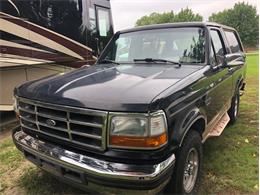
199,126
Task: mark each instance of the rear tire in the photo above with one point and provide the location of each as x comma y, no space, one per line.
234,109
187,170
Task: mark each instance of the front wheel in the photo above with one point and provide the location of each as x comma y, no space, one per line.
187,170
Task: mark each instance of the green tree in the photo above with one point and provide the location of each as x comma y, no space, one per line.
185,15
244,18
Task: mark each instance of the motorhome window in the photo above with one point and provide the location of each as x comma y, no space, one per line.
103,22
176,44
92,18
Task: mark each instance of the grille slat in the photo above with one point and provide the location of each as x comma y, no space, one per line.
28,124
25,110
53,117
86,124
54,113
28,119
25,126
75,126
55,128
86,135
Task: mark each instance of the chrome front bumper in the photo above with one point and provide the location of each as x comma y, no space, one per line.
43,153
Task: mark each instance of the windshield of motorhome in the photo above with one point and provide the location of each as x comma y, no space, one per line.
175,44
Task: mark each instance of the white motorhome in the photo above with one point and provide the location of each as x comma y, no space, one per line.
44,37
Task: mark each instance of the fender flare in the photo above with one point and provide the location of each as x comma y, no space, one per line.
192,122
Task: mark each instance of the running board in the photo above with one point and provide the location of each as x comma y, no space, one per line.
218,128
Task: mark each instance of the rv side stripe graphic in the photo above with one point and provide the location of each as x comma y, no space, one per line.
18,60
14,61
61,39
4,43
29,43
23,32
37,54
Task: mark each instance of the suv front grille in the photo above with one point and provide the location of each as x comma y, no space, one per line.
77,126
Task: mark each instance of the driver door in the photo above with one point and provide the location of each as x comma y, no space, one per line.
220,91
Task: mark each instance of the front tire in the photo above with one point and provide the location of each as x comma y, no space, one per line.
187,170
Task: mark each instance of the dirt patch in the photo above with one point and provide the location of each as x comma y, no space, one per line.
6,130
5,135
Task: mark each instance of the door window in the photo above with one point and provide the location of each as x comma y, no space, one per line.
217,45
213,59
233,42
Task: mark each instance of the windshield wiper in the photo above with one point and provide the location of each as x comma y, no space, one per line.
108,61
157,60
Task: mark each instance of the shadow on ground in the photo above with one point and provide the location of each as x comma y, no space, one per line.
37,181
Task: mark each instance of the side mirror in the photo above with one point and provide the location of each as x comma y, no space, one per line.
236,59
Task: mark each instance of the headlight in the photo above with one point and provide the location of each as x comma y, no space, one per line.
138,131
131,126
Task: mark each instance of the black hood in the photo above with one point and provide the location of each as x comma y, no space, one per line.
129,87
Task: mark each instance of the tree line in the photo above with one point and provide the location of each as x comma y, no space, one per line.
243,17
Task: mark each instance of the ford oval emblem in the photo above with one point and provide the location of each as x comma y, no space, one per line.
50,122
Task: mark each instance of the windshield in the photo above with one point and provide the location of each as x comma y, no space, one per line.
175,44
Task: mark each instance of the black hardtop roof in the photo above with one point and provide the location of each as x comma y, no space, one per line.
177,24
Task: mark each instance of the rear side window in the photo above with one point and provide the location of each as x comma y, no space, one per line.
233,41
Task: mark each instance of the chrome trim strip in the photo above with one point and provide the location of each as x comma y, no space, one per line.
104,169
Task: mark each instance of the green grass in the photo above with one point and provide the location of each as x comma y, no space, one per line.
230,163
19,176
231,160
36,181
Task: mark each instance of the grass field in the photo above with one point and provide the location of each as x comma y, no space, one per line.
230,162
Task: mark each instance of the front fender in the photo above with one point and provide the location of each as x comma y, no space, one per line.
190,123
184,121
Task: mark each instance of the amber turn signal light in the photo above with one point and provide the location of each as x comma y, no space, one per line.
138,142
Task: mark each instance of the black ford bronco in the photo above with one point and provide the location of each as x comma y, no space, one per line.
137,119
